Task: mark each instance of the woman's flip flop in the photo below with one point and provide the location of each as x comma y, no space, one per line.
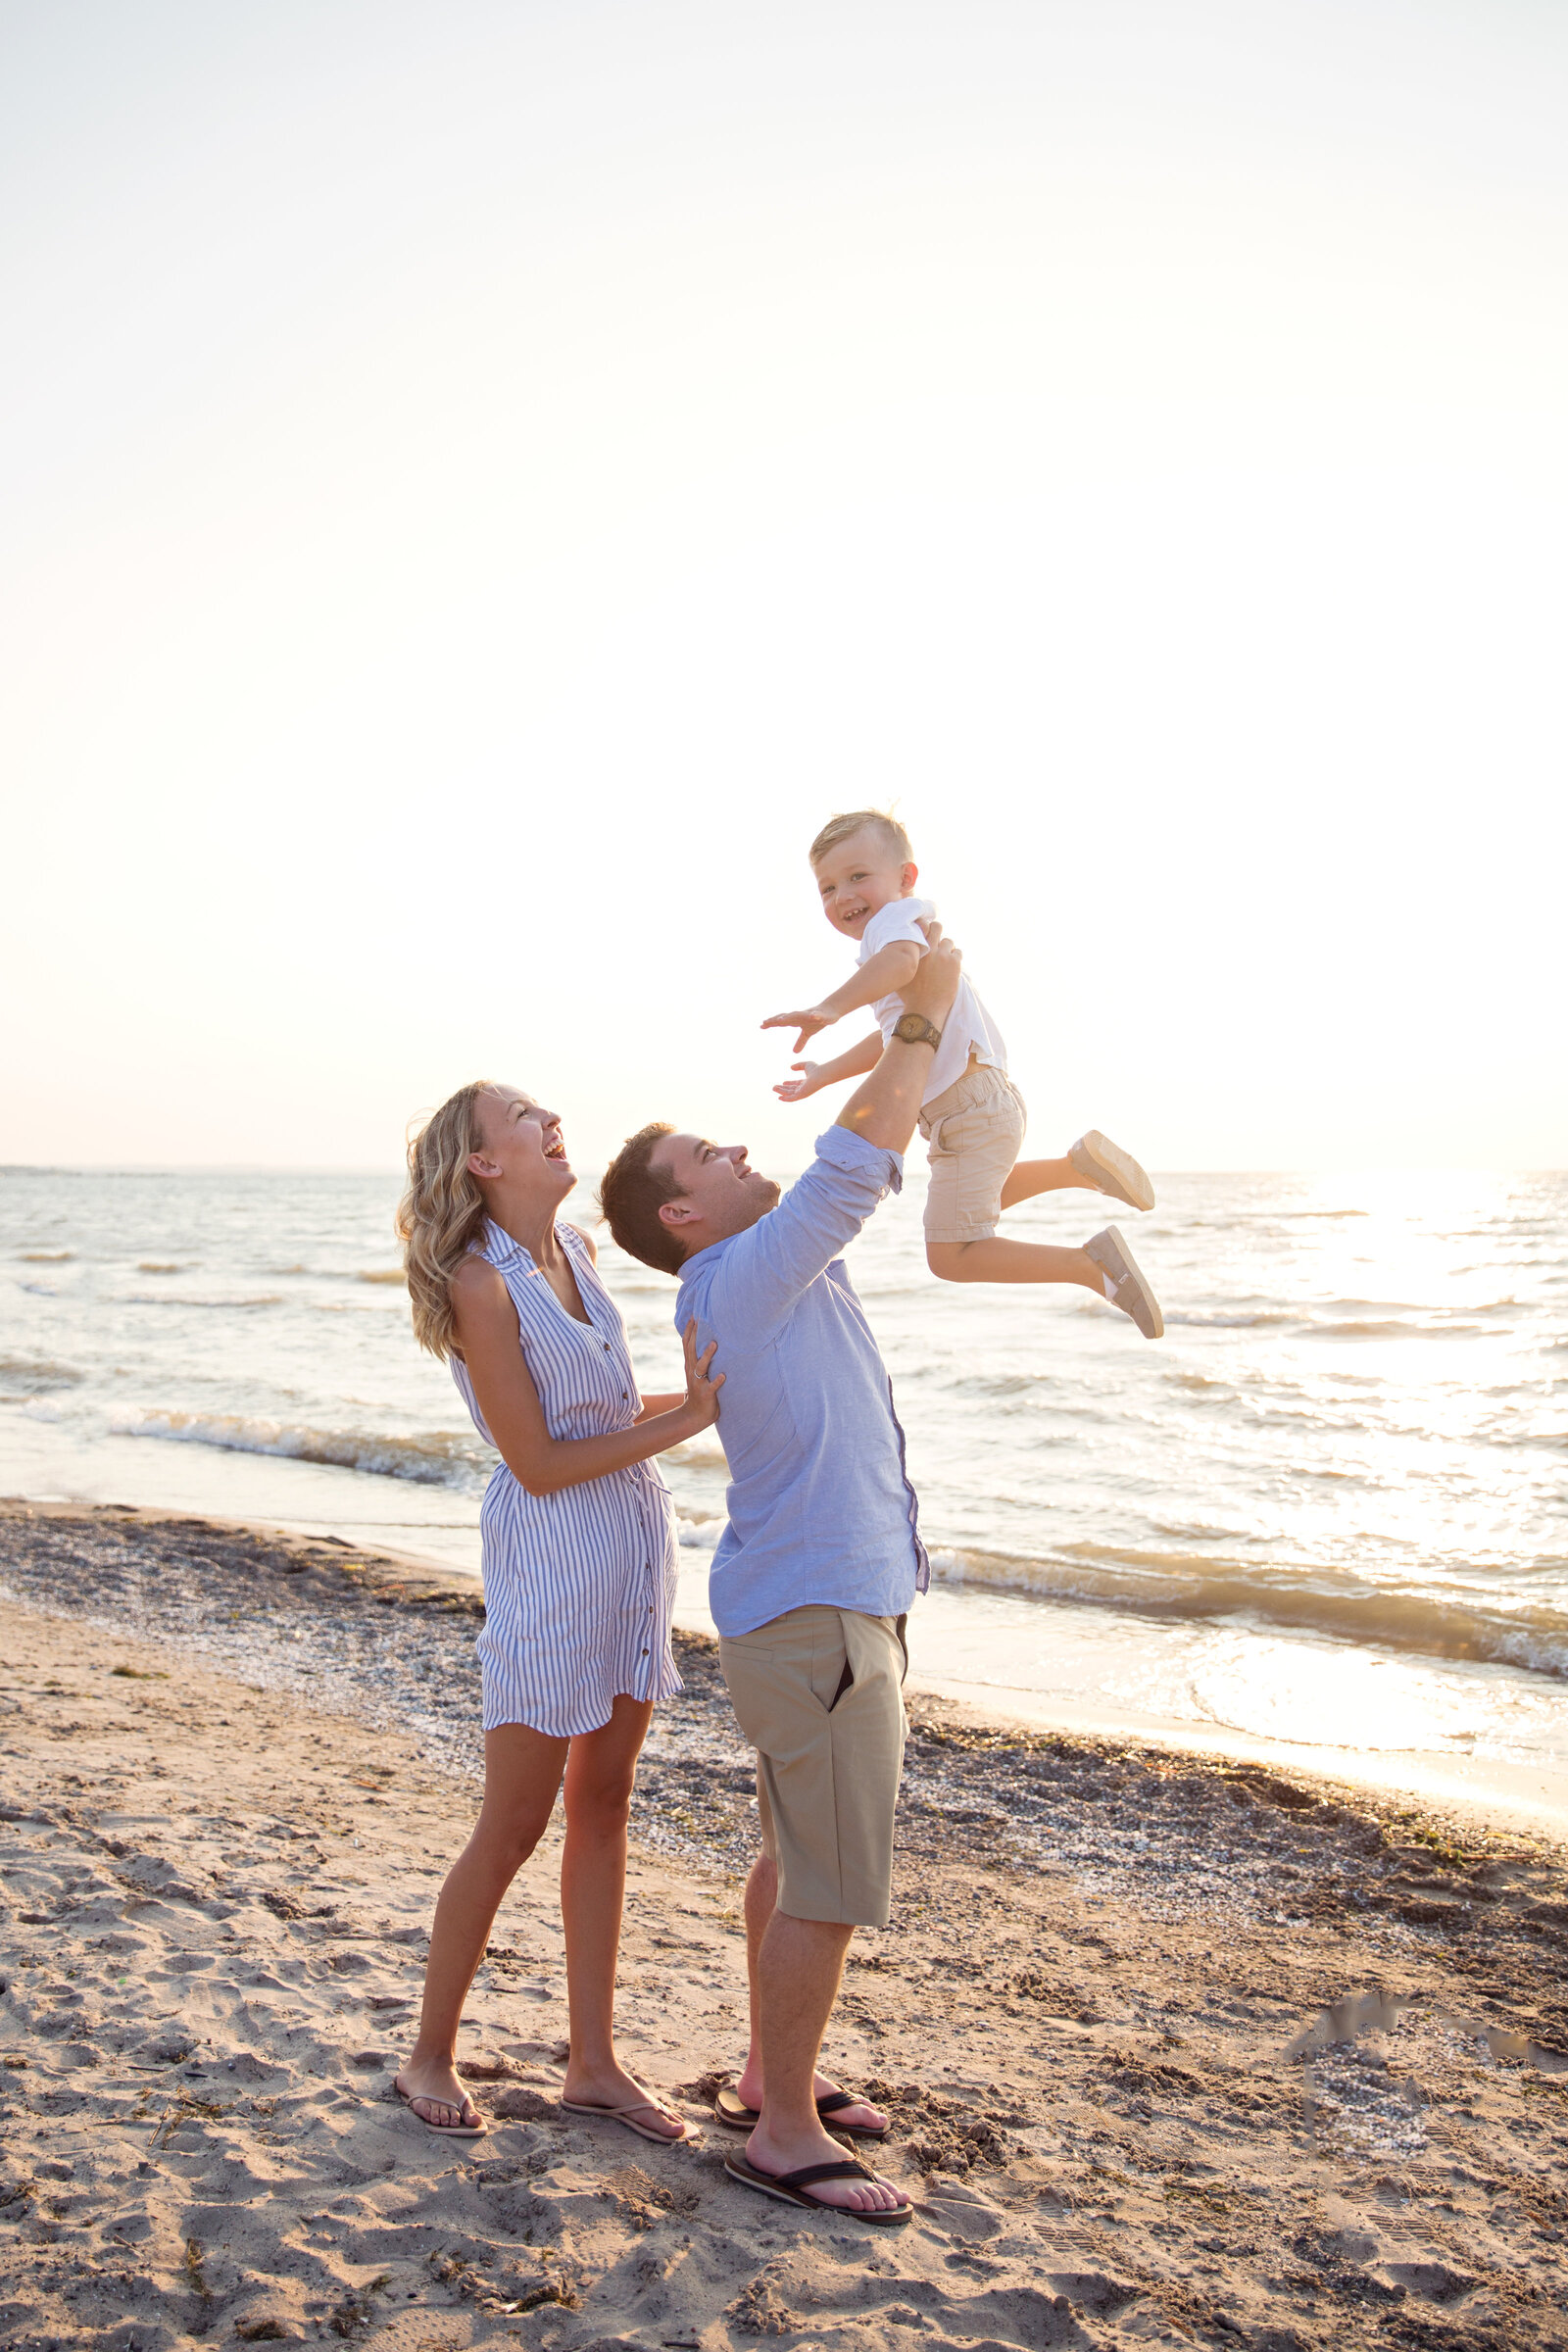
731,2110
414,2100
625,2115
792,2188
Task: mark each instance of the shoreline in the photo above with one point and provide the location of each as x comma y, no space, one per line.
1484,1792
1178,2050
1480,1792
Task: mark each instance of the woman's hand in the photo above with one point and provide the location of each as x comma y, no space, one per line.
795,1089
702,1392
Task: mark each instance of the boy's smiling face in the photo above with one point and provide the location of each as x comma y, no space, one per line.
859,878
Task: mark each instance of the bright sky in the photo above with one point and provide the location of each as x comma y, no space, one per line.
484,481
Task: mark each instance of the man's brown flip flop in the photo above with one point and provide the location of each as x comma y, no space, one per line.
731,2110
793,2189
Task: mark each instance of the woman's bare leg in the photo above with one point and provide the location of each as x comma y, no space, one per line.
599,1772
522,1771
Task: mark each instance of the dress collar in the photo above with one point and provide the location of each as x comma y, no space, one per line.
498,1246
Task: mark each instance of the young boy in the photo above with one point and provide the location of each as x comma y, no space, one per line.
972,1115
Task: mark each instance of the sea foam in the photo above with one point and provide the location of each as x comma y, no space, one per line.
430,1457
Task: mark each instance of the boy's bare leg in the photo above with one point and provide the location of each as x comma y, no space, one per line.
762,1898
1000,1260
1033,1176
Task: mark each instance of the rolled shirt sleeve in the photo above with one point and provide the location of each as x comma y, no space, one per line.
765,1270
820,1504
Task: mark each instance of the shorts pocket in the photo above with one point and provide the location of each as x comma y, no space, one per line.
831,1676
965,1131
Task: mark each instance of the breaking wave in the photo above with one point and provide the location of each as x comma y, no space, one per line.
438,1458
39,1372
174,1298
1313,1600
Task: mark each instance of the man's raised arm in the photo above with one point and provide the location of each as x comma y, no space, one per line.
885,1108
764,1270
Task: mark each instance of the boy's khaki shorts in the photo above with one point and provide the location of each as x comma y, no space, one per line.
819,1695
975,1131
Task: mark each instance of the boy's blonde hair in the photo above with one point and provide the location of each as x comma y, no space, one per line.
887,828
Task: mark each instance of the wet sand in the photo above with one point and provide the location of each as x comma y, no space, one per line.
233,1767
1484,1792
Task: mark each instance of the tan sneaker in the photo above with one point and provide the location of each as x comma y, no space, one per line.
1111,1169
1131,1292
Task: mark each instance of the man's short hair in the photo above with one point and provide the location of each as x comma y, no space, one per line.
632,1195
886,829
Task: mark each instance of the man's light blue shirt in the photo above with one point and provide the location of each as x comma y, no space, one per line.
820,1508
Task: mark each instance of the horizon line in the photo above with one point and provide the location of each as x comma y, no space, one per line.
256,1167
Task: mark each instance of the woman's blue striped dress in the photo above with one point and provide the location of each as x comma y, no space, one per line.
578,1586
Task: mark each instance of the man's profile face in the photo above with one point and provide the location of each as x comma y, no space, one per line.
721,1192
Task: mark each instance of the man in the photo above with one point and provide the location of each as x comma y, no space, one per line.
813,1573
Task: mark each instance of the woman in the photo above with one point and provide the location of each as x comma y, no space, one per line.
579,1570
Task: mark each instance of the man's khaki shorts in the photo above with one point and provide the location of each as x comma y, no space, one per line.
975,1131
819,1695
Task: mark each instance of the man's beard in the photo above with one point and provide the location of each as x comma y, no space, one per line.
765,1196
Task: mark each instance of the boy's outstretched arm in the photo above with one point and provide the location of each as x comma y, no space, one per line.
858,1062
884,1110
887,974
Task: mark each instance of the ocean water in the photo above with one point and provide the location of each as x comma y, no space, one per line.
1329,1506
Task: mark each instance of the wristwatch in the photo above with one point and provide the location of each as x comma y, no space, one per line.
914,1029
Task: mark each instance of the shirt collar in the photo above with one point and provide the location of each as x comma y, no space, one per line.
697,1258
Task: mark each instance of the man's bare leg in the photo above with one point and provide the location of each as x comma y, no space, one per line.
799,1964
761,1895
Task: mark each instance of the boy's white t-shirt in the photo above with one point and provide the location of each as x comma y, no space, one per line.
968,1028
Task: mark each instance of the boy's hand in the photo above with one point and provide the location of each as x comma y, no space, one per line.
795,1089
809,1022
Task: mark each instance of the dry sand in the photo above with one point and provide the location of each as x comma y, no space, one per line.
233,1767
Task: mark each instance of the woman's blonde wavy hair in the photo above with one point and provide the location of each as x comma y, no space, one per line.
442,1212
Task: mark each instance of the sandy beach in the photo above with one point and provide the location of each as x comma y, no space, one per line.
1180,2049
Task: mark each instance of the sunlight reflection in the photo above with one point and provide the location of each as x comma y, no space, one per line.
1335,1696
